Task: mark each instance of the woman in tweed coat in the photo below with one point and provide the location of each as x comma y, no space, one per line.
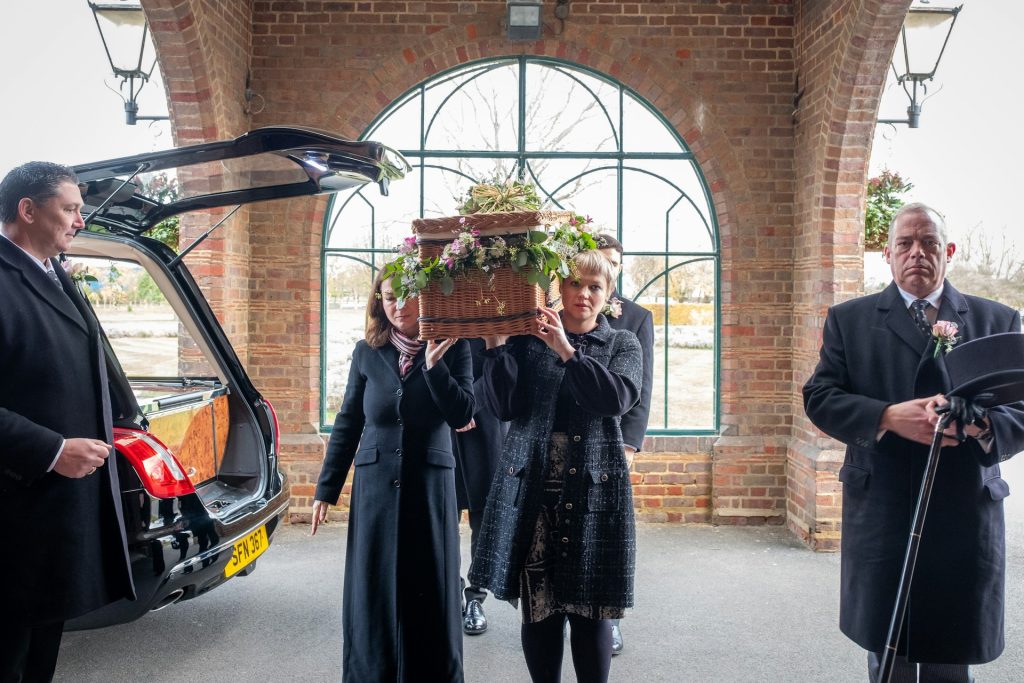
558,530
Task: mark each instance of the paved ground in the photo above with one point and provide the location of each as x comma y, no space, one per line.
713,604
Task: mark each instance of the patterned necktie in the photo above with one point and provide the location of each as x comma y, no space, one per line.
56,280
920,317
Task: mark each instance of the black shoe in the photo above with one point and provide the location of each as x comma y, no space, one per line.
474,622
616,640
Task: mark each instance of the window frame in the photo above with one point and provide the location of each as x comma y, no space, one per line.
617,160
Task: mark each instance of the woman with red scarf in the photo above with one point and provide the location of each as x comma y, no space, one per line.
401,616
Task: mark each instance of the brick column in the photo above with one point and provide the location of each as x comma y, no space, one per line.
843,53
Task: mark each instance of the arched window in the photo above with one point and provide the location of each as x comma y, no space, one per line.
588,144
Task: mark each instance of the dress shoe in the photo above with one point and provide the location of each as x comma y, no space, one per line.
474,622
616,640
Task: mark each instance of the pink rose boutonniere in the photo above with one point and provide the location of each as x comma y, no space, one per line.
944,333
613,308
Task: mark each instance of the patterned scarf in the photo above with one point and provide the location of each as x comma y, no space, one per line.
407,350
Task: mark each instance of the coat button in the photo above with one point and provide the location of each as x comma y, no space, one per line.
572,470
565,554
511,470
568,506
398,393
396,483
398,451
399,421
604,477
565,539
576,438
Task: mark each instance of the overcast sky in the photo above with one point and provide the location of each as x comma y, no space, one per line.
963,159
57,108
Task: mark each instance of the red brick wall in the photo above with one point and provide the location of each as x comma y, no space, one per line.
785,185
203,48
842,56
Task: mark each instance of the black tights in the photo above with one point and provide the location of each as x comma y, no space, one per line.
591,642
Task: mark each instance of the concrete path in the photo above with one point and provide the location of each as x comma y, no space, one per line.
713,604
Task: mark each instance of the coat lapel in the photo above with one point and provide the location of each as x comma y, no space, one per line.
953,308
898,320
39,283
389,355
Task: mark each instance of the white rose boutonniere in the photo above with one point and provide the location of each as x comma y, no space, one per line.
612,308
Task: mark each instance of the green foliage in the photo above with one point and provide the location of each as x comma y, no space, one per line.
497,196
882,204
147,291
539,256
164,189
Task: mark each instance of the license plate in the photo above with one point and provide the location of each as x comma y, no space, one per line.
246,551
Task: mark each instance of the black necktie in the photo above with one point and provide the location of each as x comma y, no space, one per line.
920,318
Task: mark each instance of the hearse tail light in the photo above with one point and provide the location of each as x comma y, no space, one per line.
160,472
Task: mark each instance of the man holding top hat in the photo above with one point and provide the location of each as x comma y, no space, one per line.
881,373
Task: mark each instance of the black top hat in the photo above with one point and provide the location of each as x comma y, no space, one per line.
988,371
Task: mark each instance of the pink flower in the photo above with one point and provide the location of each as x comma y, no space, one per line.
944,333
408,246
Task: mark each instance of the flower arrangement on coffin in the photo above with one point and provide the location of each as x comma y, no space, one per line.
486,272
500,197
539,256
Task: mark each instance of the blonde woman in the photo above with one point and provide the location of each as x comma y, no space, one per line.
558,531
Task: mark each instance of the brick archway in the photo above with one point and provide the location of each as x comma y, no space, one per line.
776,98
838,134
651,79
203,52
679,466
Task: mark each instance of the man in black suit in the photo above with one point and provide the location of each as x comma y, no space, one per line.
477,448
626,315
64,544
875,388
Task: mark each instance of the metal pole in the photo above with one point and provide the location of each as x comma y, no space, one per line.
913,546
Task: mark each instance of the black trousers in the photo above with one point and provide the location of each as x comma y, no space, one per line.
476,518
28,654
906,671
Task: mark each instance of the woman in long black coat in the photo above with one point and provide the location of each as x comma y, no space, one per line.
401,601
558,531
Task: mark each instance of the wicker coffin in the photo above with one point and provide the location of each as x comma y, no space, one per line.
482,304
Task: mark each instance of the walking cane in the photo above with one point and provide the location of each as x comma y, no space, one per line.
964,413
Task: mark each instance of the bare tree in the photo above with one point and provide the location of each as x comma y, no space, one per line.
991,266
576,107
